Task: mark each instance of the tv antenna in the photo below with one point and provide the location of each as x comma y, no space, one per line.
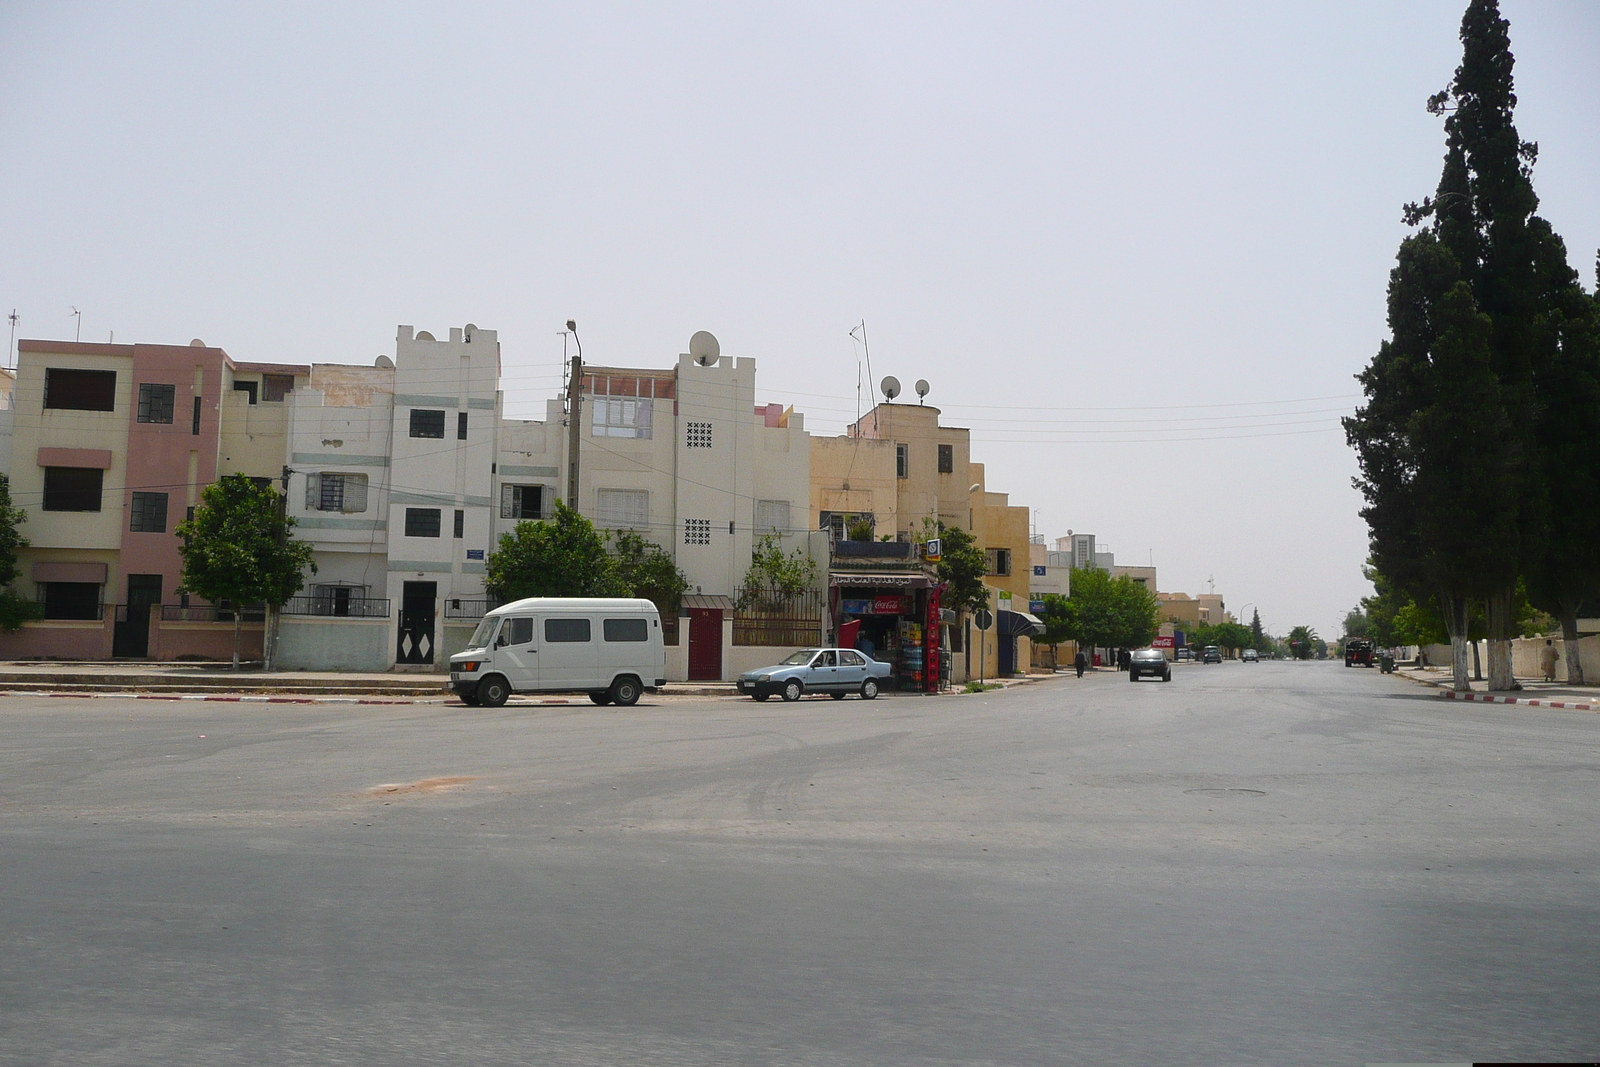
78,336
860,334
13,346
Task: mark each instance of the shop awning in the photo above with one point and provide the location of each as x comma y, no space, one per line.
1019,624
878,581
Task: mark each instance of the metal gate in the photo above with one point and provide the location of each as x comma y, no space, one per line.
417,606
130,636
705,644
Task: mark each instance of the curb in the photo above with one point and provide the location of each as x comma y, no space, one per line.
1490,698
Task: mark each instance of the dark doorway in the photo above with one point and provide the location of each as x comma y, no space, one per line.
416,623
1008,655
131,635
705,644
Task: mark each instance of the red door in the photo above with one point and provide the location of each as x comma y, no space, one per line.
705,644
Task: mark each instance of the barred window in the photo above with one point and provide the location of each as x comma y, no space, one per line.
72,488
422,522
999,560
772,516
621,417
947,459
248,388
902,461
156,402
336,492
623,508
148,513
697,531
697,434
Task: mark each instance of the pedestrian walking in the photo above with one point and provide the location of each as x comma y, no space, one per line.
1080,661
1547,659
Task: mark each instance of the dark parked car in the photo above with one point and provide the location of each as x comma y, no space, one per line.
1212,654
1151,661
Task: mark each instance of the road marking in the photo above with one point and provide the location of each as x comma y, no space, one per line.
1490,698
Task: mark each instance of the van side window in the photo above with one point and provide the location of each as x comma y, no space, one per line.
557,631
516,631
625,629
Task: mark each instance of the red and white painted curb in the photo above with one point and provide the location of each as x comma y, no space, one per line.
1490,698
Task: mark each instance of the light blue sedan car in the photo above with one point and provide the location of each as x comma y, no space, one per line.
835,671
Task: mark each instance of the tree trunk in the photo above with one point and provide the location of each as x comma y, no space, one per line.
238,615
269,640
1569,639
1454,610
1501,628
1477,663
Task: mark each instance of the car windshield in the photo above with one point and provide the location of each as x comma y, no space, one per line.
799,658
480,636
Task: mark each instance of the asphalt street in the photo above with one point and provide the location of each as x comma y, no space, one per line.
1278,863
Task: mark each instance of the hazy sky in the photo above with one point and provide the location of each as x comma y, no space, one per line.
1139,248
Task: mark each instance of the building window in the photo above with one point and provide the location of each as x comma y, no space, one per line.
422,522
947,459
461,426
697,434
461,524
697,531
623,508
72,488
148,513
427,424
999,560
71,600
80,390
337,599
521,501
902,461
566,631
156,402
336,492
839,522
772,516
195,429
247,387
275,387
621,417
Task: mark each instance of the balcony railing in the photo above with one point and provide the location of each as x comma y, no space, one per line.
203,613
460,608
338,607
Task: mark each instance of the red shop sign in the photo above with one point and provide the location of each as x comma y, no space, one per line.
891,605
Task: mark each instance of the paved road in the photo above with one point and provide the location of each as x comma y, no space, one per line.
1283,863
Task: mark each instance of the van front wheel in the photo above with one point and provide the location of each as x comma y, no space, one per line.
625,691
493,691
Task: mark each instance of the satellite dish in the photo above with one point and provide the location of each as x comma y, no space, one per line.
922,389
890,387
384,363
424,335
197,343
703,348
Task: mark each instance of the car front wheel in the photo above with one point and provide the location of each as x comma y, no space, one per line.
759,696
494,691
837,696
792,690
869,689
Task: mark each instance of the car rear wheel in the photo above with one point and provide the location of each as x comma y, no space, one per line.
494,691
601,697
837,696
792,690
869,689
625,691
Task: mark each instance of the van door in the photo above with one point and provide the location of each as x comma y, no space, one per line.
516,652
568,648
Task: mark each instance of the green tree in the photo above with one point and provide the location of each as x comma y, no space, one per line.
560,556
239,549
14,610
646,569
1258,637
1303,642
1356,623
1060,623
963,565
775,576
1112,612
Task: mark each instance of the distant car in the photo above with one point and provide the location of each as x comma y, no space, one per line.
835,671
1249,655
1184,655
1151,661
1358,652
1212,654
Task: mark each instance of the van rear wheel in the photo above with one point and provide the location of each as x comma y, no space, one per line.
601,697
494,691
625,691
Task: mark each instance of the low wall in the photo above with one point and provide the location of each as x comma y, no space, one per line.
736,659
316,643
677,658
59,639
204,640
1525,658
452,639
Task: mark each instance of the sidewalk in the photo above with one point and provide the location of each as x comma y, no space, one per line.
1533,691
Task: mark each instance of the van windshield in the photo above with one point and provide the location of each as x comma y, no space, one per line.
480,636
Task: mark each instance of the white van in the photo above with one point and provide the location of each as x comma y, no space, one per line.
608,648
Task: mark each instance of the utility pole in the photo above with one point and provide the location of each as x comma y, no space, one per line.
574,417
269,645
